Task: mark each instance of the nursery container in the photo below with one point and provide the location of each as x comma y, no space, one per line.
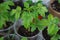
52,11
38,36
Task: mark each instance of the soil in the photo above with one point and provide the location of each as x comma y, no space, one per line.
1,1
1,35
45,34
8,24
24,32
56,6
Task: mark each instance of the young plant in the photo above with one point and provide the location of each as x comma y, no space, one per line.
4,13
30,16
52,23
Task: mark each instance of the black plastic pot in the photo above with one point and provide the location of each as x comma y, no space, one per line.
36,37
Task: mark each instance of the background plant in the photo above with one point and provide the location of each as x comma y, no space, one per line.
4,13
1,38
52,23
58,1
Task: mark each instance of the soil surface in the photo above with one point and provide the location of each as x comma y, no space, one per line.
7,24
1,1
56,6
24,32
45,34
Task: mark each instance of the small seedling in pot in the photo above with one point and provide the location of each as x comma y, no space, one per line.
32,12
31,23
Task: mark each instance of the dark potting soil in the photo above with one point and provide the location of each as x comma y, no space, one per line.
56,6
8,24
1,1
24,32
1,35
45,34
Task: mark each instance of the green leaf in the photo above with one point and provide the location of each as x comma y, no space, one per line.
2,21
24,38
16,13
27,19
17,16
11,3
42,24
41,9
50,17
1,38
52,29
41,12
55,37
13,12
58,1
33,27
44,9
26,4
56,20
1,24
18,9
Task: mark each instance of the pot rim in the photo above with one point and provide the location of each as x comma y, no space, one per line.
20,35
52,8
6,28
27,37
